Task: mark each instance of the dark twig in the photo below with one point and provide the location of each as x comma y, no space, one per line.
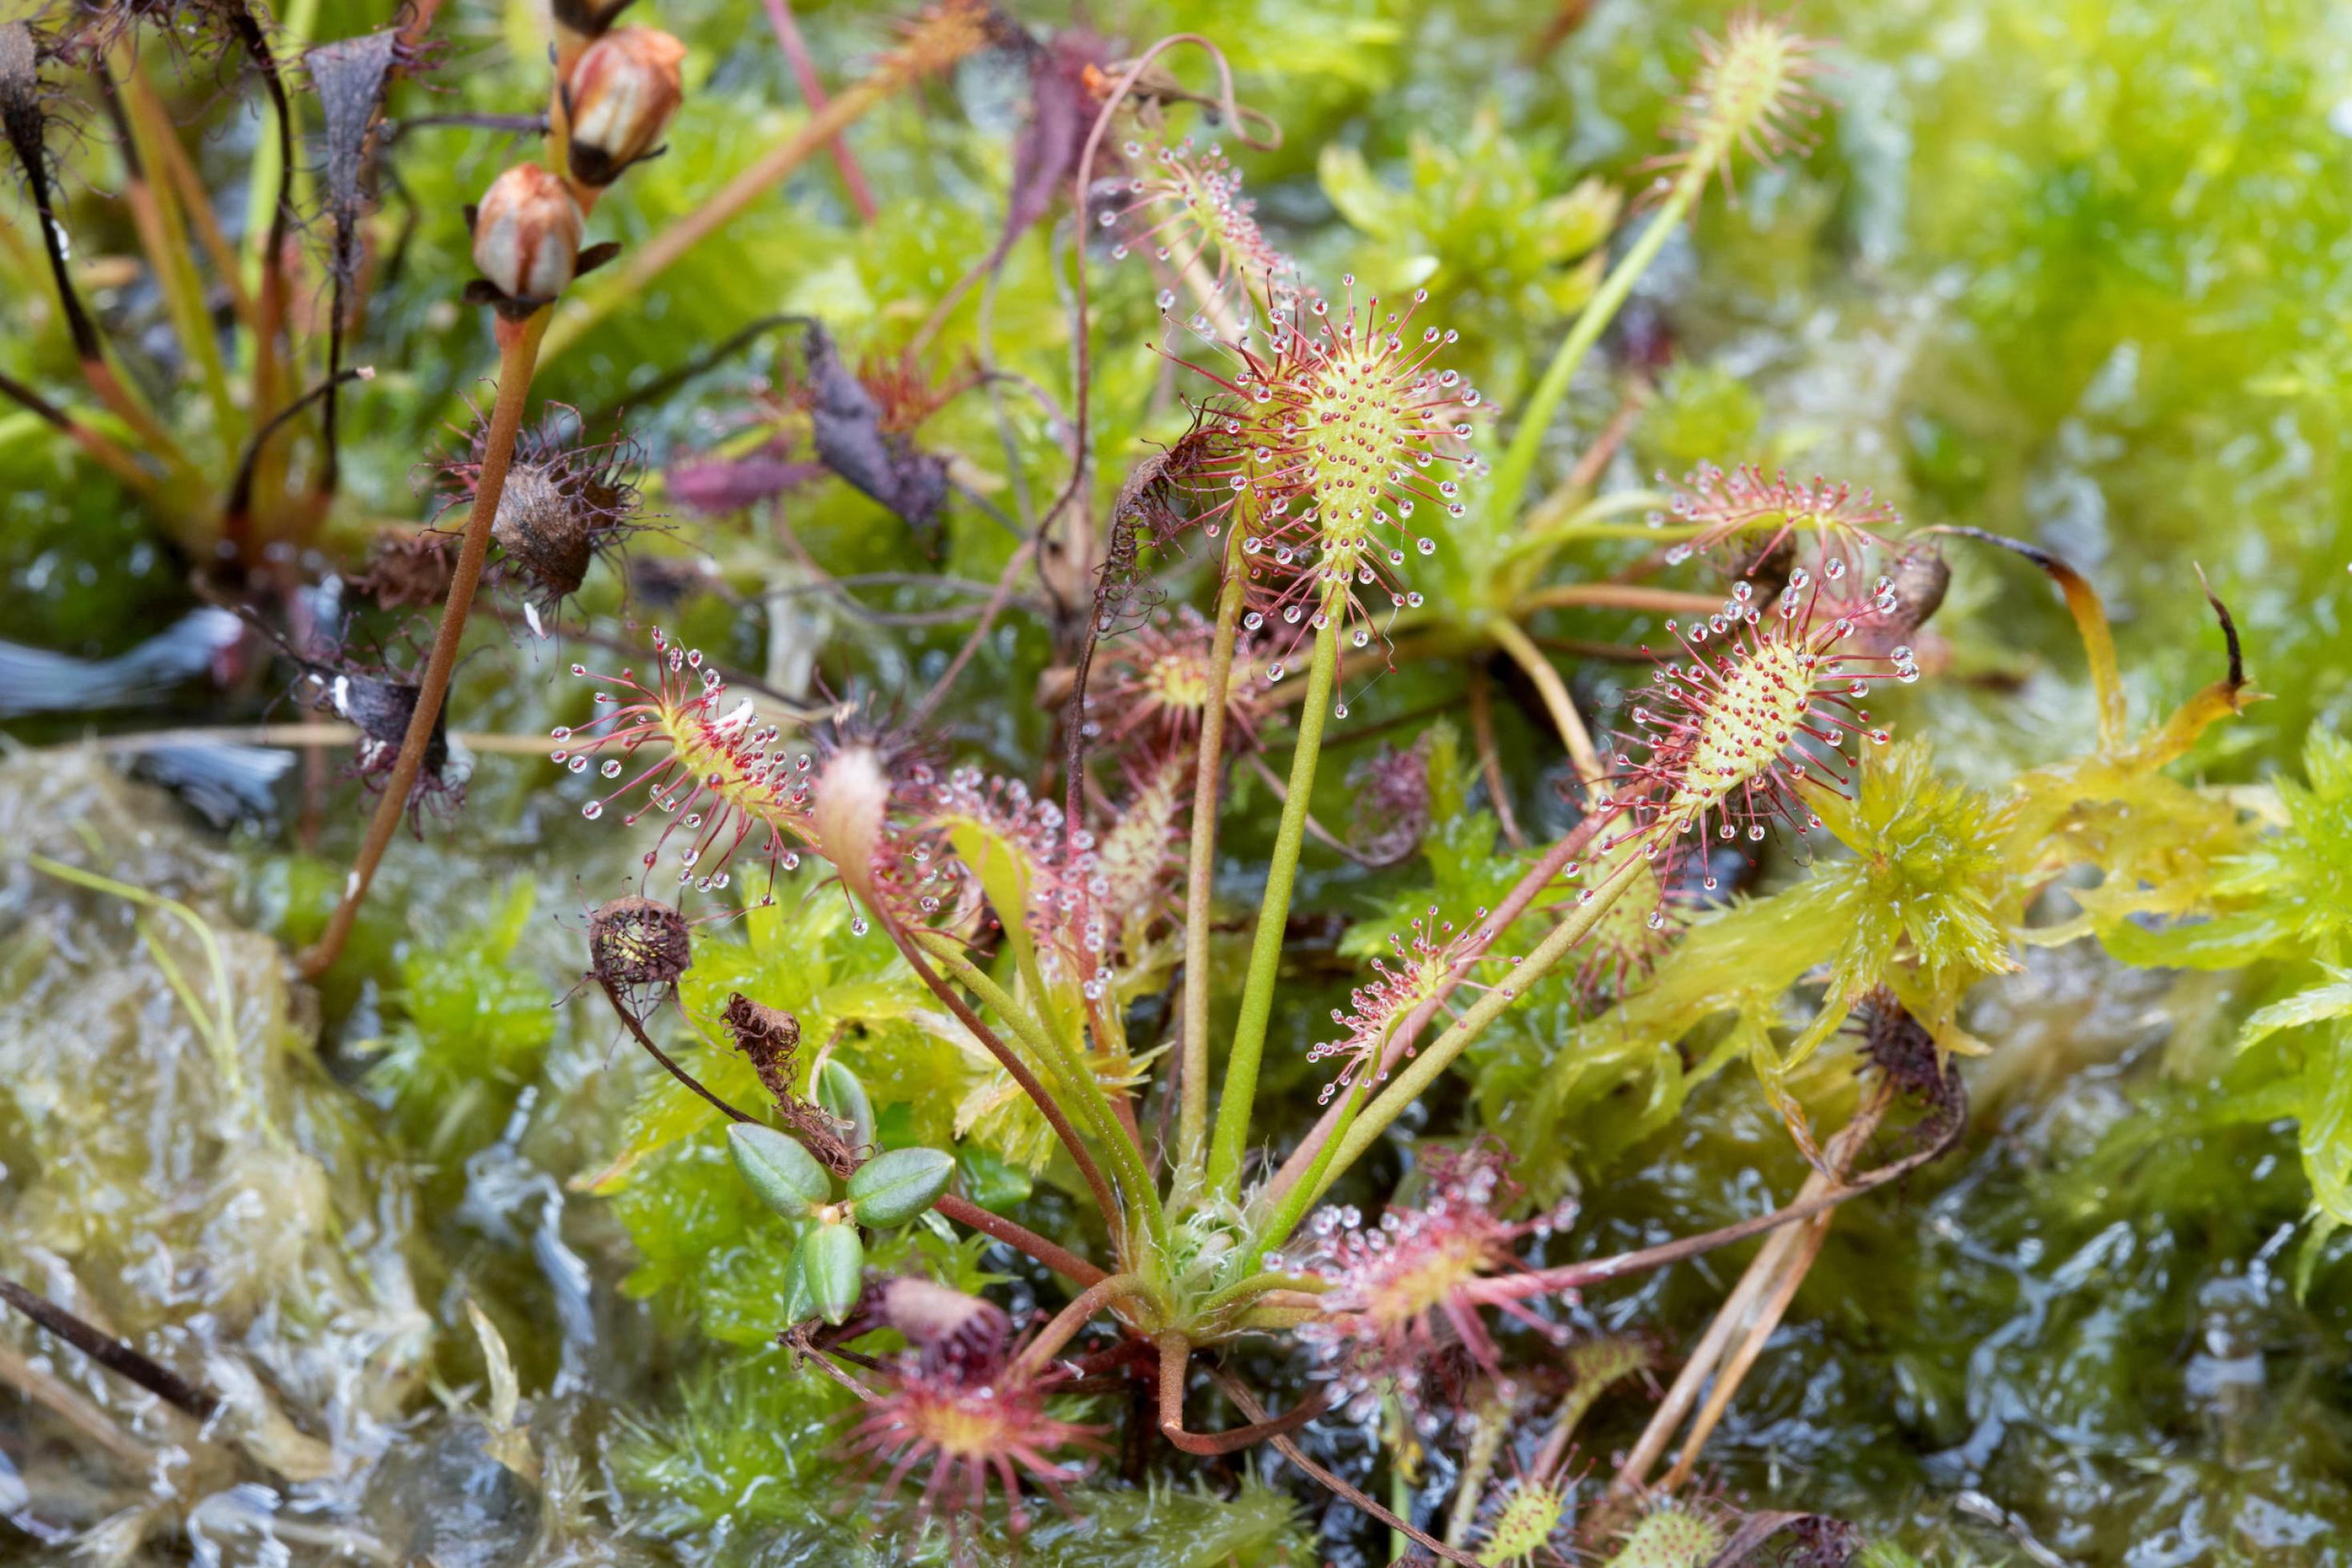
111,1352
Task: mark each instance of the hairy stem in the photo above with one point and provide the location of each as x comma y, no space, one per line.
518,356
1201,867
1240,1090
1408,1084
1126,1155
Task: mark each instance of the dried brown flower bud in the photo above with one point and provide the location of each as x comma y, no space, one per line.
620,97
526,235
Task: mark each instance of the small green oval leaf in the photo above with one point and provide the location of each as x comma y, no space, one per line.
842,1096
785,1176
799,1306
833,1269
891,1188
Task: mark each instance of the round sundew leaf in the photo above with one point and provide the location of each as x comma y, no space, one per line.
786,1176
893,1188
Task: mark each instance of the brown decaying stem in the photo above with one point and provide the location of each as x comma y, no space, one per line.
964,1211
795,48
1774,1259
1490,757
111,1352
1537,1283
518,356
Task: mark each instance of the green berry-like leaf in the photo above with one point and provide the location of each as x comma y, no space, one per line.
831,1268
840,1092
892,1188
785,1176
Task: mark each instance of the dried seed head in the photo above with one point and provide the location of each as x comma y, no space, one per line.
380,703
526,235
637,941
620,97
537,529
566,501
407,569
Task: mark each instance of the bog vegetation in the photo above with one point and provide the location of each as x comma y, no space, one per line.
1488,783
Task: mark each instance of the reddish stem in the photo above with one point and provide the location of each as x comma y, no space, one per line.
795,48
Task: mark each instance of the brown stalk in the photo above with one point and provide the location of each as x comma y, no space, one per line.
518,356
1175,1360
111,1352
1796,1259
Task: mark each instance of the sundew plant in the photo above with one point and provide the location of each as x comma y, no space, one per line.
1237,784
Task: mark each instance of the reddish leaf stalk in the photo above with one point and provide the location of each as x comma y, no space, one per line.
795,48
518,356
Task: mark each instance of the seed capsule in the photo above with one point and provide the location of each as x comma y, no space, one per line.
527,234
622,95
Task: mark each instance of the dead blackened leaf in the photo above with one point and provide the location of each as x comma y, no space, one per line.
850,440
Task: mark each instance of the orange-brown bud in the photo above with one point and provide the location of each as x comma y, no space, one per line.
527,234
620,97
